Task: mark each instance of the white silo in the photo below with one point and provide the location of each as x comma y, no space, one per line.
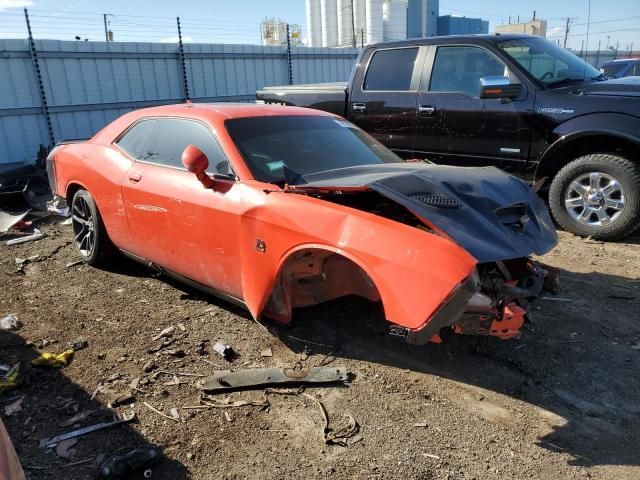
359,15
345,23
329,9
374,24
395,19
314,24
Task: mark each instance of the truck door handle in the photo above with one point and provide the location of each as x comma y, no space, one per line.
359,107
426,110
135,177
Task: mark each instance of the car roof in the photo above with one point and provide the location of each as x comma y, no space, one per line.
491,38
229,110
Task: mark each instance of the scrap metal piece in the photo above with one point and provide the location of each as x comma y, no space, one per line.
123,464
8,220
227,380
36,235
52,442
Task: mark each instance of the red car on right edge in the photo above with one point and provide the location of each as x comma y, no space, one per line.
517,102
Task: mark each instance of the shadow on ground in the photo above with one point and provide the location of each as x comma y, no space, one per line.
50,398
575,360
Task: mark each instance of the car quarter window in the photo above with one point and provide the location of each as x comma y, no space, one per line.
459,69
391,70
162,141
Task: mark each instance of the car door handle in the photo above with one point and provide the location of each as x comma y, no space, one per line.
359,107
135,177
425,110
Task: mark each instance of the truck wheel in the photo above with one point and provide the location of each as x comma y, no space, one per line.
90,237
597,195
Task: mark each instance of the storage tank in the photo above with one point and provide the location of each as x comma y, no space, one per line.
345,23
329,10
359,20
314,24
374,28
394,16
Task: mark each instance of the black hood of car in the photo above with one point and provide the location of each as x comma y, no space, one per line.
491,214
616,87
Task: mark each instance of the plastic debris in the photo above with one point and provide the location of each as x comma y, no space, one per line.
165,333
123,464
78,344
53,359
13,407
10,379
267,352
10,322
8,220
225,351
36,235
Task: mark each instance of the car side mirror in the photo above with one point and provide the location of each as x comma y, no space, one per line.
196,162
499,87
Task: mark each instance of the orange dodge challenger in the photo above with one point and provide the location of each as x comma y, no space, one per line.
275,207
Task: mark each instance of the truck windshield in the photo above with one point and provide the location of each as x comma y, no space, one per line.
281,149
547,62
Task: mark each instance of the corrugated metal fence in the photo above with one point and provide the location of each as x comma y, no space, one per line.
88,84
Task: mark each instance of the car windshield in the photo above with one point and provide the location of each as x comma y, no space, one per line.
281,149
547,62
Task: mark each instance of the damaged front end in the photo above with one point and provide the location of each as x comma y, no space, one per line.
491,302
494,216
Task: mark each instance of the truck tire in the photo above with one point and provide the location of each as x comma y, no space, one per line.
598,196
89,235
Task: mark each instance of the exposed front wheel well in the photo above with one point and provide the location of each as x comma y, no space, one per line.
312,276
72,188
552,163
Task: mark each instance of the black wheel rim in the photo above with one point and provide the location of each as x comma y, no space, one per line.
83,227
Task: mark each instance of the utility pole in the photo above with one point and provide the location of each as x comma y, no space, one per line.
361,37
598,54
631,50
289,64
534,15
581,48
566,31
353,27
608,37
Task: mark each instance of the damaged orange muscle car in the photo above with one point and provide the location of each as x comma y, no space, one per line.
276,207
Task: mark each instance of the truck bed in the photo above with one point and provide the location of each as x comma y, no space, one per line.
330,97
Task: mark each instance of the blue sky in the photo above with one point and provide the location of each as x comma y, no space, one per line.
238,21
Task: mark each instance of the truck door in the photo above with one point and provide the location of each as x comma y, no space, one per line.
383,96
455,126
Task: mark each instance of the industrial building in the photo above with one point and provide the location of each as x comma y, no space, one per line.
532,27
422,18
273,32
451,25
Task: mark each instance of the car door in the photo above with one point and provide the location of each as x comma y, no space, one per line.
383,97
454,125
173,220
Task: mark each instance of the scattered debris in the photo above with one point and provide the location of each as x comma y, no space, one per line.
174,413
78,344
73,264
122,465
14,407
225,351
429,455
52,442
76,418
227,380
53,359
59,207
182,327
64,448
556,299
164,333
311,343
228,416
159,412
8,220
115,399
79,462
36,235
11,323
267,352
149,366
421,424
10,379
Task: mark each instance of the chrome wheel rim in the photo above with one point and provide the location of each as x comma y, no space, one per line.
595,199
83,227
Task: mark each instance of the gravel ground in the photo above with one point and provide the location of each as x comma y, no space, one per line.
561,402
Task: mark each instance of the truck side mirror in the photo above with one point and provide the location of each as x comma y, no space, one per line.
196,162
499,87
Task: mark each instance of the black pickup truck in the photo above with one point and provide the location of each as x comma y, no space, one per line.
518,102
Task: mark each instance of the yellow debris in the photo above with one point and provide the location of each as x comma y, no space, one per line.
53,359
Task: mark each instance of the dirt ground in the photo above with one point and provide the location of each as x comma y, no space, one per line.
561,402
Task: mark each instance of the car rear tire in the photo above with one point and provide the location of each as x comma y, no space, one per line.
598,196
89,235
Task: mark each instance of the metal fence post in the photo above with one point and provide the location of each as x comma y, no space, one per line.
183,66
289,62
43,95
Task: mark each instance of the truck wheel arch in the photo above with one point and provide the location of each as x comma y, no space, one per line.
569,147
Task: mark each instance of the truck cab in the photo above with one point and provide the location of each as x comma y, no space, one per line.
517,102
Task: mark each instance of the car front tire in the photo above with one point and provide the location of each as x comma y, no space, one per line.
89,235
598,196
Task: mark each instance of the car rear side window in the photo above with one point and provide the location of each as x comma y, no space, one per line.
391,70
614,69
162,141
459,69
